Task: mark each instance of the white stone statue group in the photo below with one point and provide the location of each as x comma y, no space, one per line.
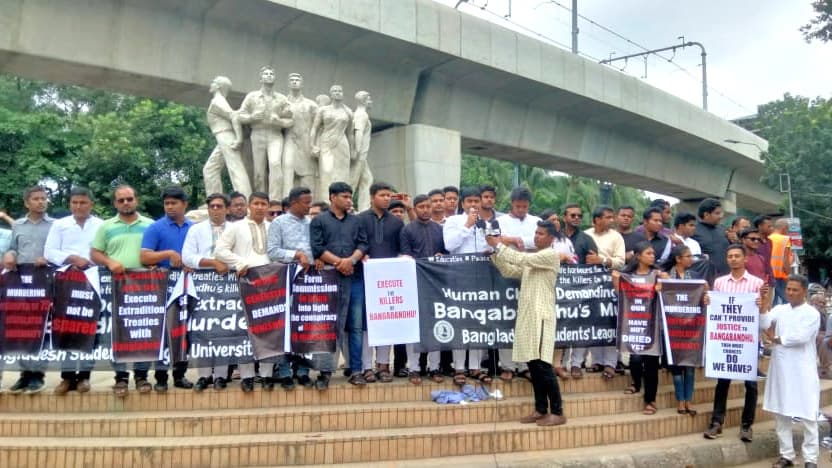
293,140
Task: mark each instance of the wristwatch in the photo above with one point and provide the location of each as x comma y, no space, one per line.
354,261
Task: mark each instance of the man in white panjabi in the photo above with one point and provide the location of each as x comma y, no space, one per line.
299,169
793,387
360,176
268,113
333,141
225,125
242,245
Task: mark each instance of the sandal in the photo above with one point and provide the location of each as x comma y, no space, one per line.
459,378
436,376
120,389
143,386
609,373
576,372
649,409
690,411
384,375
525,374
631,390
506,375
483,377
415,378
369,376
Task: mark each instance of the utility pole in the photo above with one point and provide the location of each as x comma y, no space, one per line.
574,26
672,48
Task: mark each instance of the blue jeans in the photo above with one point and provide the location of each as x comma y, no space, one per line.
350,323
683,378
779,291
284,367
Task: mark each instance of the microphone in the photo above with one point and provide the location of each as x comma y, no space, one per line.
495,229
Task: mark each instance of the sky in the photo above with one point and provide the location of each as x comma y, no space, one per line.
755,50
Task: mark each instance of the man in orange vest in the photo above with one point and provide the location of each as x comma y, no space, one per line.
781,258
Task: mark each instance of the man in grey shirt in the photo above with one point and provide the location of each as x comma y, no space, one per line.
28,239
289,242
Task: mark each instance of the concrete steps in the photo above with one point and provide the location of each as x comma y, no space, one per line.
379,423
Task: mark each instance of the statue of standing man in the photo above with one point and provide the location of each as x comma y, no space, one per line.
299,169
268,113
333,141
360,176
224,124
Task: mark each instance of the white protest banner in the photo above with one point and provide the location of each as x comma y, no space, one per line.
392,301
733,331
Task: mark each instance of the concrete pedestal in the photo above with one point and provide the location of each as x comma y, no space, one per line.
416,158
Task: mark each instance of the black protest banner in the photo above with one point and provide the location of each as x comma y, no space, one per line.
682,304
181,302
638,324
217,330
586,307
465,303
263,290
25,301
314,313
76,312
139,298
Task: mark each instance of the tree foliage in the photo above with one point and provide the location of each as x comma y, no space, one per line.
62,136
820,27
548,190
799,132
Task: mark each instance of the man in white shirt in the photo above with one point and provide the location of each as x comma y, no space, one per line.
68,243
242,246
198,252
792,388
611,254
517,229
685,225
465,233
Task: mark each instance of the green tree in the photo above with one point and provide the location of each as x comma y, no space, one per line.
799,132
820,27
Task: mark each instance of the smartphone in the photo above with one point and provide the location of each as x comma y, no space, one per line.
397,196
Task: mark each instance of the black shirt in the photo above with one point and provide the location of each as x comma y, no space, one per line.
382,233
420,240
341,237
713,242
659,244
582,244
630,240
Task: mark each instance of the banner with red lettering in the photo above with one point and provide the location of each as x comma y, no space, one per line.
25,302
733,331
638,324
682,303
263,290
392,301
314,312
76,311
139,298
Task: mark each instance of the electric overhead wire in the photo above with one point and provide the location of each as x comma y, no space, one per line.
645,49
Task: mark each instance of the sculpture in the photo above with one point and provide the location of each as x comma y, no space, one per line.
268,113
360,176
332,141
224,124
298,166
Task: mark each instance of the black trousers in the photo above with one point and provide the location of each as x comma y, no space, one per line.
721,401
636,370
400,357
651,377
547,397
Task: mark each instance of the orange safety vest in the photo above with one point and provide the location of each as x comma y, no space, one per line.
781,255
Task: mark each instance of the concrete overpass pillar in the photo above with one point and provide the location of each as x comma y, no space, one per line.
729,204
416,158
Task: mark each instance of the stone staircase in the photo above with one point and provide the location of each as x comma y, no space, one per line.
395,421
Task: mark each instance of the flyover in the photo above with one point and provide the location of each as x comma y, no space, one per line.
443,82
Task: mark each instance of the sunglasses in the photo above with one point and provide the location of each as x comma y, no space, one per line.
575,215
125,200
755,239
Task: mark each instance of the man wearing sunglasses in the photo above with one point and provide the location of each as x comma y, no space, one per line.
754,262
581,241
117,246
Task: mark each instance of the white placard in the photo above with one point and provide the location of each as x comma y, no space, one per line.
392,301
733,333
